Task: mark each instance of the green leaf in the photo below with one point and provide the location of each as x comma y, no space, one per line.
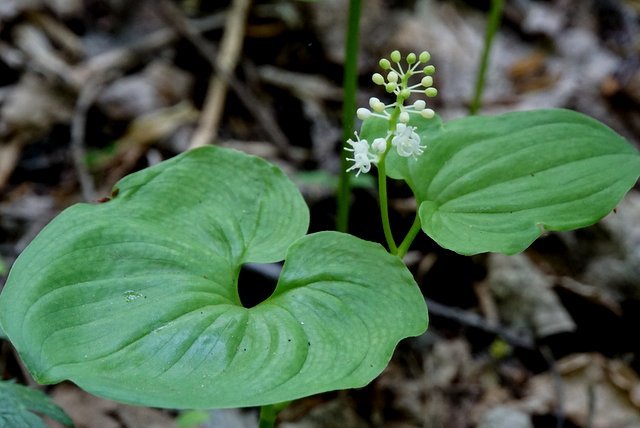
20,407
496,183
136,299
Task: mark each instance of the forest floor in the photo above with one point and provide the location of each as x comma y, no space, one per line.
93,90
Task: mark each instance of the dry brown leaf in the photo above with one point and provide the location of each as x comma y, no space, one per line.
89,411
32,108
590,383
505,417
158,86
525,297
335,413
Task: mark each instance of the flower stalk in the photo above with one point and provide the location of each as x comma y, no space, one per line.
400,136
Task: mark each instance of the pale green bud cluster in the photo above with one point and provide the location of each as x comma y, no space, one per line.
397,79
401,136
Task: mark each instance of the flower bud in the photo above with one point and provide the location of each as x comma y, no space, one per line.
390,87
378,107
431,92
373,101
377,79
411,58
392,77
384,64
427,81
404,117
395,56
425,56
427,113
429,69
363,113
419,105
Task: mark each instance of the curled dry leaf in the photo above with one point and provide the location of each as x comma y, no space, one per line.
589,381
525,297
159,85
616,266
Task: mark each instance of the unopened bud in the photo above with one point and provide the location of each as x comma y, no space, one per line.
427,113
431,92
427,81
429,69
363,113
419,105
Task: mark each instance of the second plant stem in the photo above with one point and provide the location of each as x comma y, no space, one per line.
384,205
402,249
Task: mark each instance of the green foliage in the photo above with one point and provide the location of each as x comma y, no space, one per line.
136,299
20,407
496,183
3,267
192,418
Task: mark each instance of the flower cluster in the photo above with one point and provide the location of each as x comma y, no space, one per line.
401,136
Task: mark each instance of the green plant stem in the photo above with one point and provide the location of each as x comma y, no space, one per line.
495,14
269,414
411,235
268,417
348,111
384,205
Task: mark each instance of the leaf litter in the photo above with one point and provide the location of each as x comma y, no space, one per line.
150,80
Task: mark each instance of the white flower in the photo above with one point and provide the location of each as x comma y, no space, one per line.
362,158
379,145
407,141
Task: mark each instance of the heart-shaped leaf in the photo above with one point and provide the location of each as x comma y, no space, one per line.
496,183
136,299
20,407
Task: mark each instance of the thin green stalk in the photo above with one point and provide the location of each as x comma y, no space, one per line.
382,182
411,235
348,111
495,14
269,414
384,206
268,417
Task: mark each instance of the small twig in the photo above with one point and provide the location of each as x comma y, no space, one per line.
86,97
265,117
472,320
128,55
9,154
227,59
486,302
591,405
558,385
66,39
